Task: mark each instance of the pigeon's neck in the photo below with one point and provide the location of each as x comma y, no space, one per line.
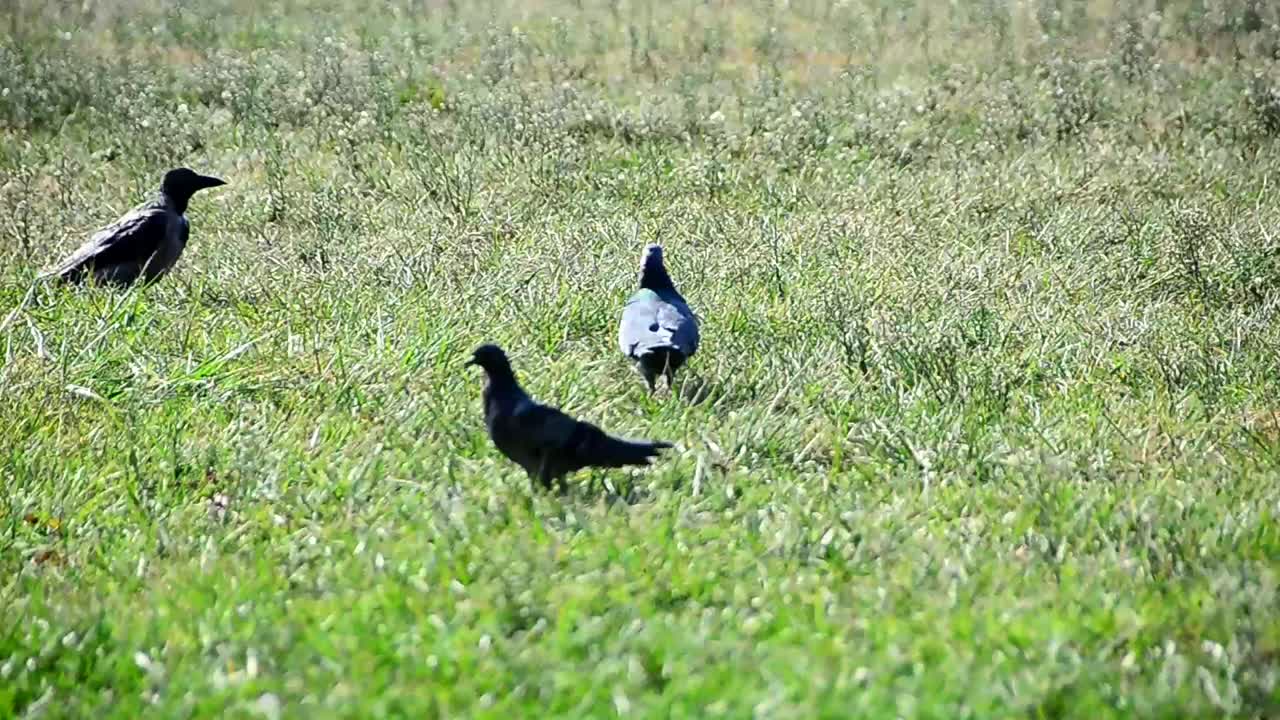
653,276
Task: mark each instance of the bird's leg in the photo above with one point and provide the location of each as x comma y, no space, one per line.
546,479
544,472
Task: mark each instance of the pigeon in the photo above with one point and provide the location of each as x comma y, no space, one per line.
145,243
658,331
547,443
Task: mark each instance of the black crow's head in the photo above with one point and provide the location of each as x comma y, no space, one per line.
182,183
492,359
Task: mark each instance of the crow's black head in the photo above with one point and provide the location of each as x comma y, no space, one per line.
182,183
492,359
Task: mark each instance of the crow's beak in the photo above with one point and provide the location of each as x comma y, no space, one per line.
208,181
470,363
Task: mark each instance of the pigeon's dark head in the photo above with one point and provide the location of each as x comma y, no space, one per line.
182,183
492,359
652,256
653,274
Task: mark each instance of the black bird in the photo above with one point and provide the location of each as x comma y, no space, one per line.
145,243
658,331
544,441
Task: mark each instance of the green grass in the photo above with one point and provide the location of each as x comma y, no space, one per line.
988,418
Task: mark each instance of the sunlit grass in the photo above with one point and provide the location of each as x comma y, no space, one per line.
984,423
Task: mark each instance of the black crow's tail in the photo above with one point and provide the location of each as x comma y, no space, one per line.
608,451
74,273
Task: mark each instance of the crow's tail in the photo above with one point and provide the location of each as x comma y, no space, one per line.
609,451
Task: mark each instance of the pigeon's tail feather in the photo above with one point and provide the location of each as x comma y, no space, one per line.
660,360
609,451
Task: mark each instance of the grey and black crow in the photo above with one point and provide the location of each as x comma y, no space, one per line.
658,331
145,243
547,443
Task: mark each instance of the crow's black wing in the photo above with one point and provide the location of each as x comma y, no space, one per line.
133,238
542,429
570,445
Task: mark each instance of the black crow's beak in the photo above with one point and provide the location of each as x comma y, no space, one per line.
208,181
470,363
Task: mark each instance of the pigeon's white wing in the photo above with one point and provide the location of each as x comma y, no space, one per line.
651,321
639,325
676,318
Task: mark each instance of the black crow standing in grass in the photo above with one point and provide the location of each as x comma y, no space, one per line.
658,331
544,441
145,243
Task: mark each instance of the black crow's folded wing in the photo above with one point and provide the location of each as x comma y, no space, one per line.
133,238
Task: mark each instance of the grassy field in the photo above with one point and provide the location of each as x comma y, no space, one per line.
985,423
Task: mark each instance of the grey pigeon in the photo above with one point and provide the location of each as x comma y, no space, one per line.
145,243
658,331
544,441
